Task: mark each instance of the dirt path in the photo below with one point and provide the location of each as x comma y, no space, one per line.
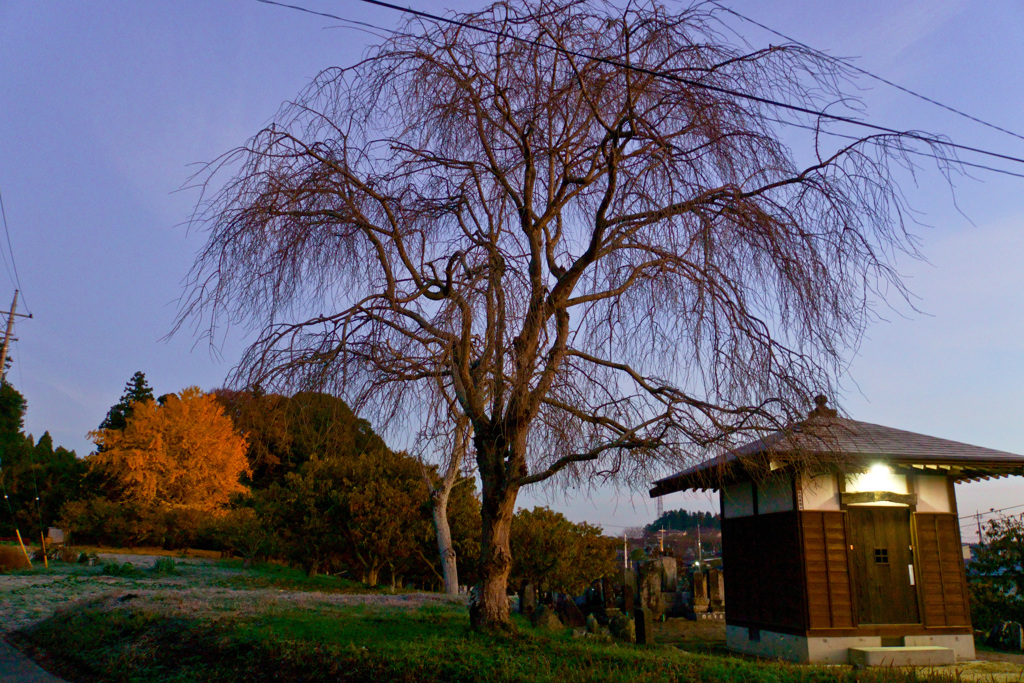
17,668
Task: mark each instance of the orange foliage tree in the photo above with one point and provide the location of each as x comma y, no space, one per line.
184,454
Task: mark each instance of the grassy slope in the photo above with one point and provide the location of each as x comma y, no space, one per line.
93,642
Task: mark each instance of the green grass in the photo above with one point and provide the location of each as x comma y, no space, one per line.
352,644
270,575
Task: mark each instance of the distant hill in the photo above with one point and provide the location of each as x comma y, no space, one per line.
684,520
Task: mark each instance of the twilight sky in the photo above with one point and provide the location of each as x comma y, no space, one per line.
105,108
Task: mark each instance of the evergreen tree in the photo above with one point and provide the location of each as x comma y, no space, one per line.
136,390
682,520
37,478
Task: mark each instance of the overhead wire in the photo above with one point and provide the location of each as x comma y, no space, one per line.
931,140
991,512
16,280
865,72
3,254
915,152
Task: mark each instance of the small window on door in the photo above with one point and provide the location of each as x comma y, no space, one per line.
881,556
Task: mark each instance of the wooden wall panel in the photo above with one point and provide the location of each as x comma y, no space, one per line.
943,586
761,559
826,566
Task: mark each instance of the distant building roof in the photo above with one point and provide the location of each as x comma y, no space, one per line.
826,441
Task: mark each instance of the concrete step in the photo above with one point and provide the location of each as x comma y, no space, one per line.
923,655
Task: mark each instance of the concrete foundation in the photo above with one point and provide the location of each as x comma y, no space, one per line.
832,650
926,655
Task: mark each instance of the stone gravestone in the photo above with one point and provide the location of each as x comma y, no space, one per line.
644,626
527,599
667,567
649,580
716,589
570,613
608,593
627,599
699,590
545,618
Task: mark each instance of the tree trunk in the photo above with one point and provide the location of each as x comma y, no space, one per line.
490,609
371,577
449,569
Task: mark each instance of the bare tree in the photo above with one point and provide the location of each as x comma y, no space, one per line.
450,447
575,221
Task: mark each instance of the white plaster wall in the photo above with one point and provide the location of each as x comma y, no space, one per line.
820,492
738,500
775,494
932,493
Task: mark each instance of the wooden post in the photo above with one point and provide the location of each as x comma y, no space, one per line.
42,539
22,544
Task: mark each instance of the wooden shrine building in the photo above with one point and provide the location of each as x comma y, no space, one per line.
841,541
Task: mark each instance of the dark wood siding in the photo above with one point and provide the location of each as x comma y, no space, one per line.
829,603
761,559
943,587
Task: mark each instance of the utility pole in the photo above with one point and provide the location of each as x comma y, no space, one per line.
3,371
10,331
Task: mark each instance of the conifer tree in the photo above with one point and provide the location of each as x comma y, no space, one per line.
136,390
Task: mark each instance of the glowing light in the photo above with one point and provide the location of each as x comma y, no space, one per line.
880,470
879,477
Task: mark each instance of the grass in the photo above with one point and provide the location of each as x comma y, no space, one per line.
281,577
355,644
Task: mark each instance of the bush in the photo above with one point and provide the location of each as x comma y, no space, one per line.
12,558
241,532
127,524
164,565
115,569
65,553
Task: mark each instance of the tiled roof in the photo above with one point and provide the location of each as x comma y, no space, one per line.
855,444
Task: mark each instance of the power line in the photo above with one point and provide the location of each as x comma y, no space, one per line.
915,152
931,140
3,254
17,280
867,73
992,512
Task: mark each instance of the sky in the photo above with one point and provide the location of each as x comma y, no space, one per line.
108,108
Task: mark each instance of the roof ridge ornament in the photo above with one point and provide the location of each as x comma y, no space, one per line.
821,409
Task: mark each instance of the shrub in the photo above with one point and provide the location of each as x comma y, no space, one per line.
164,565
115,569
11,557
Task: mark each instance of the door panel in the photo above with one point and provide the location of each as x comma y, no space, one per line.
882,565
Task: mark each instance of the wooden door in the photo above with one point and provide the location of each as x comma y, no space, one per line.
883,565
